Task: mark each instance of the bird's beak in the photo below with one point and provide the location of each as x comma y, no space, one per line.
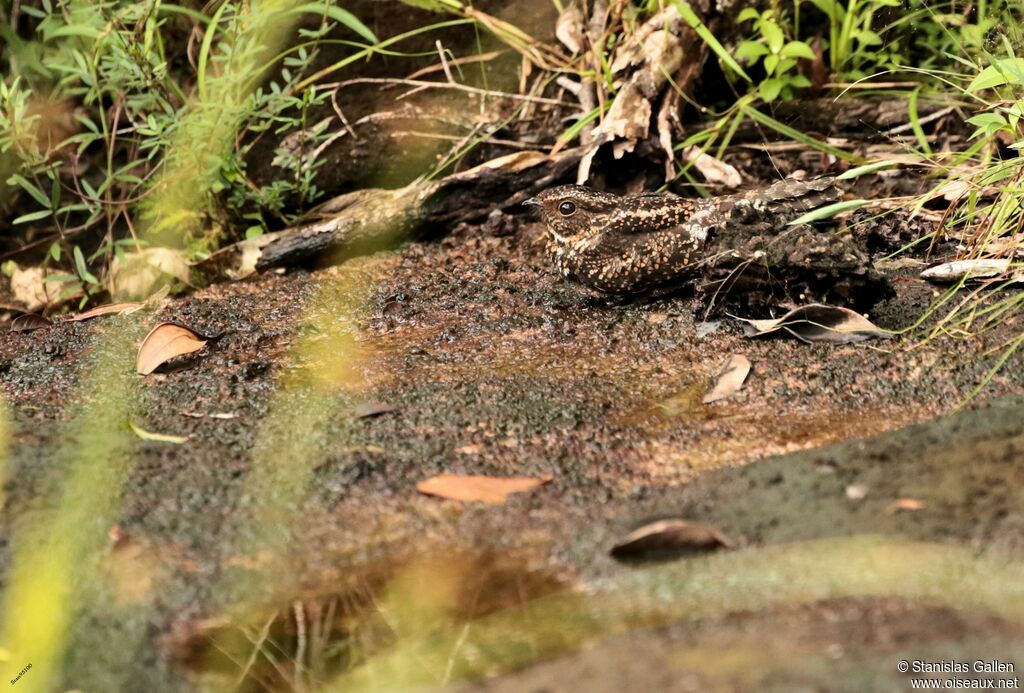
532,202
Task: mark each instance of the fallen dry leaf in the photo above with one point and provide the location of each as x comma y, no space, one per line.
517,161
569,28
31,288
29,322
966,269
820,323
487,489
904,505
140,273
730,379
165,342
714,170
109,309
670,536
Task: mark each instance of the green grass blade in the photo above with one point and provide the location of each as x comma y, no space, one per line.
340,15
866,169
915,122
204,51
798,136
828,211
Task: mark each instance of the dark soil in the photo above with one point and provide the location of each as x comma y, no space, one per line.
491,365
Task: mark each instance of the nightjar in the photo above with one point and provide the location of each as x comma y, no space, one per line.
628,245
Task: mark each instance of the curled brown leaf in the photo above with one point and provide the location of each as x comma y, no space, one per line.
29,322
670,536
487,489
165,342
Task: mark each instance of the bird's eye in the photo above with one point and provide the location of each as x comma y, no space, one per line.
567,209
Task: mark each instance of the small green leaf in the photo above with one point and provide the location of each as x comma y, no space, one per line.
773,35
32,216
80,265
988,119
751,50
868,38
770,88
1008,71
32,189
797,49
770,63
747,14
828,211
55,251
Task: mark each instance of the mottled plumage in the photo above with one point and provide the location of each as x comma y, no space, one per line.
625,245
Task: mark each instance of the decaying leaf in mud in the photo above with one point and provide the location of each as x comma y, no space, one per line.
966,269
817,322
669,537
109,309
730,379
29,322
156,437
486,489
165,342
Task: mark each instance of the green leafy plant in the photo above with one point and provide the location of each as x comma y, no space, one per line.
853,42
777,54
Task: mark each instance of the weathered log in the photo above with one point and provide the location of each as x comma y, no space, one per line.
368,220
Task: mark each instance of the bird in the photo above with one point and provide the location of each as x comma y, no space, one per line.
626,245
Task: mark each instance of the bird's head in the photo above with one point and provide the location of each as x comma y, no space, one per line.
574,212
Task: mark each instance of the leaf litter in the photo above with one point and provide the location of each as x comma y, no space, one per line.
817,322
730,379
485,489
166,341
29,322
670,537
